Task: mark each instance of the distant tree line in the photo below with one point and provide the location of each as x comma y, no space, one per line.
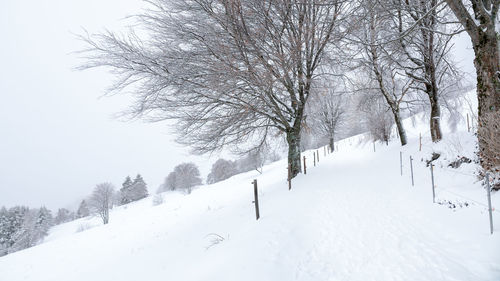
22,227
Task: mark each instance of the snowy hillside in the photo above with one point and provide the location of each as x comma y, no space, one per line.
352,217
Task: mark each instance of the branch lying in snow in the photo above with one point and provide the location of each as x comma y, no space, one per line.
214,239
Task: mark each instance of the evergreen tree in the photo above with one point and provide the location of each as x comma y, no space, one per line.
4,226
139,189
35,226
83,210
44,218
126,190
10,222
63,215
133,191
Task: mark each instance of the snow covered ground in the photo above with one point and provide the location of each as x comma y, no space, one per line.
352,217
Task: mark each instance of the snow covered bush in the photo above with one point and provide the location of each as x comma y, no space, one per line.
157,200
83,226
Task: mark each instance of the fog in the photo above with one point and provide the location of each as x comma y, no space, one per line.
59,136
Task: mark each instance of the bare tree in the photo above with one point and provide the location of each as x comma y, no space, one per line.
424,35
480,20
101,200
253,160
222,169
378,57
327,112
230,72
184,177
377,115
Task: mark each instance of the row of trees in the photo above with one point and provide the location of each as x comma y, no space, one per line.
185,176
104,197
22,227
237,73
132,190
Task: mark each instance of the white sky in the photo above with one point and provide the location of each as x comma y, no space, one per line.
58,138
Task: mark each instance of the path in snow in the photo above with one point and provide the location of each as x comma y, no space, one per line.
351,218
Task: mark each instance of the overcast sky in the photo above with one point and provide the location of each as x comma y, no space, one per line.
58,138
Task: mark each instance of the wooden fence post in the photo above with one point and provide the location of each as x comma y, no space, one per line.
289,176
305,168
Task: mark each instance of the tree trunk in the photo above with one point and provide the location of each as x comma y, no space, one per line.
399,125
293,140
487,62
105,218
332,144
488,94
435,122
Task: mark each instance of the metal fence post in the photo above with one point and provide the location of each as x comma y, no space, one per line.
420,141
256,199
433,191
401,161
411,168
468,126
489,201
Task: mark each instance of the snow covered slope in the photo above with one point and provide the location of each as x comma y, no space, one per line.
352,217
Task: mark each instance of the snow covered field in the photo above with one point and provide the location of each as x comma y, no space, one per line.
352,217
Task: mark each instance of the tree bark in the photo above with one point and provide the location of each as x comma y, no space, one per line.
332,144
487,62
399,126
293,140
391,102
488,94
435,122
